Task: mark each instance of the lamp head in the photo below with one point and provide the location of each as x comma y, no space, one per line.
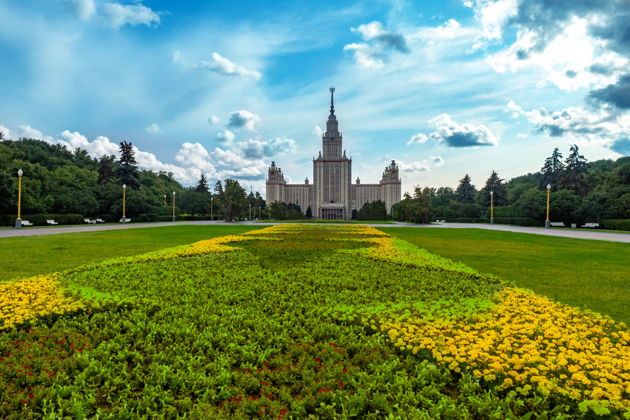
491,192
173,192
124,186
20,172
548,186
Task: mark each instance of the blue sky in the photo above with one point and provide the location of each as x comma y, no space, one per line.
225,87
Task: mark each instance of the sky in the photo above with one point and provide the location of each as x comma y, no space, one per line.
222,88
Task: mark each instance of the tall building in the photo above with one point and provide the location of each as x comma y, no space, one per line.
332,195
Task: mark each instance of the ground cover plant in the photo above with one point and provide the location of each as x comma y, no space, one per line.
29,256
302,321
584,273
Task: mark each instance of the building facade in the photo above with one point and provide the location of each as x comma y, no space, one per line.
332,195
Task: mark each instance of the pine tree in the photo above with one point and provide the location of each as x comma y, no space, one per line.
573,175
202,184
496,185
465,192
552,170
127,171
106,169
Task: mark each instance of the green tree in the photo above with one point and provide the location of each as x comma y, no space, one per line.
106,169
532,204
127,171
375,210
277,211
234,200
465,192
552,170
496,185
309,213
415,209
202,185
573,175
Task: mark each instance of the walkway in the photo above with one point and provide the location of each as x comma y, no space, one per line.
564,233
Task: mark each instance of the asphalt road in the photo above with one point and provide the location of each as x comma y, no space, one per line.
575,234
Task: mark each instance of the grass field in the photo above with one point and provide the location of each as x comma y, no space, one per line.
584,273
332,222
301,322
28,256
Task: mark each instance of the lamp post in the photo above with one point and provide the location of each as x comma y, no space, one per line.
173,206
491,207
211,208
250,212
547,221
124,217
18,221
164,200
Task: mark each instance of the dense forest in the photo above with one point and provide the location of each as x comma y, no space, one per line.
580,192
69,185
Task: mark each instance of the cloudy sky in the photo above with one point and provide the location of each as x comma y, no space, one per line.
225,87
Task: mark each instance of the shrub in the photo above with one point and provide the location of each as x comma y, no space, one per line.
615,224
40,219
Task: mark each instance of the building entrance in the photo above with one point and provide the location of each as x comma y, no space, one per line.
332,214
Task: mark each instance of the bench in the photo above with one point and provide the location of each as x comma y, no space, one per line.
90,221
51,222
556,224
100,221
27,223
590,225
124,220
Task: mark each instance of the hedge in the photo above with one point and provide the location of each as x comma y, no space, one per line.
615,224
40,219
466,220
520,221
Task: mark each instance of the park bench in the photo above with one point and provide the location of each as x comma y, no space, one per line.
556,224
51,222
27,223
591,225
124,220
100,221
90,221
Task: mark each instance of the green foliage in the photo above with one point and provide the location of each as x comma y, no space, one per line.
615,224
282,211
375,210
415,209
552,170
465,192
127,170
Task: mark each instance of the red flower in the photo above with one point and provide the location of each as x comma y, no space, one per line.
340,384
283,412
324,390
265,364
317,359
344,370
31,396
24,402
264,383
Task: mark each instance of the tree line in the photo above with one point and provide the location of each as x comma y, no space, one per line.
581,192
58,182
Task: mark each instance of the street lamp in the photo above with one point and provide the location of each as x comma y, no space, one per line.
18,221
173,206
124,217
547,221
491,207
250,212
164,200
211,208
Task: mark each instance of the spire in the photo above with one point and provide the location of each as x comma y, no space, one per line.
332,101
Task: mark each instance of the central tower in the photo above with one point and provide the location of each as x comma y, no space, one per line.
332,173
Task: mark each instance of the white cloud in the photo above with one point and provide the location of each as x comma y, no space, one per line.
6,133
176,56
437,160
493,15
214,120
118,15
83,9
224,66
413,166
374,53
26,131
418,138
225,136
258,149
453,134
153,129
243,119
602,127
318,131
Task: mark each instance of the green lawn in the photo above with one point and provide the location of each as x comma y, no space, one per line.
584,273
27,256
334,222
